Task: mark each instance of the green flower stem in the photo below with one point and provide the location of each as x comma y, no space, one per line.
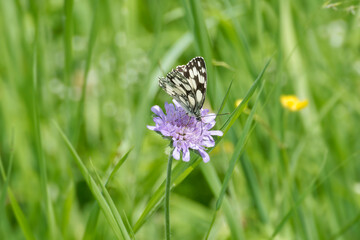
167,197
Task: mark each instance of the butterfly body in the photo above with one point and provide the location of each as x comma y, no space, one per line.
187,85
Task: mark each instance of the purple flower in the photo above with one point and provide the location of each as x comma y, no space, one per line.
185,132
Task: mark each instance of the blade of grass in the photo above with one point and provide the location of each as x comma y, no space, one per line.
117,167
90,230
128,225
36,92
193,11
245,47
111,204
232,219
167,197
234,116
179,173
92,40
106,209
299,220
19,214
94,214
347,226
67,208
68,12
225,99
182,170
238,150
3,188
253,186
302,197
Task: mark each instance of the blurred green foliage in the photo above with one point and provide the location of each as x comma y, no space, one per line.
92,67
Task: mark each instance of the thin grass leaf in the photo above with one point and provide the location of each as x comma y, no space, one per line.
347,226
235,115
196,22
92,221
302,197
253,187
3,190
90,230
238,150
68,38
303,231
36,92
242,43
239,145
211,225
19,214
112,205
225,99
68,11
128,225
94,214
69,196
117,167
91,43
106,209
179,173
232,216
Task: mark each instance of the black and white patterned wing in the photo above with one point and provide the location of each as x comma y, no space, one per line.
187,85
195,72
176,85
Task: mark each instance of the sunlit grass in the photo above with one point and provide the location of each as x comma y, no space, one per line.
78,78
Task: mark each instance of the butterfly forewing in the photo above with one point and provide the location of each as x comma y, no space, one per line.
174,85
187,85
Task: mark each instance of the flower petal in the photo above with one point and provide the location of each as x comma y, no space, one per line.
176,153
204,155
204,112
186,155
210,125
216,132
208,143
177,105
184,130
164,132
169,108
158,111
209,118
151,127
158,121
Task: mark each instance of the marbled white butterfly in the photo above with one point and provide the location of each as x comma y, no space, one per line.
187,85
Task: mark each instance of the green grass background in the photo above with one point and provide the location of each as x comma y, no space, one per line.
91,68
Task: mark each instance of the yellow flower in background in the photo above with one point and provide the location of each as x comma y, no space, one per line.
292,103
238,101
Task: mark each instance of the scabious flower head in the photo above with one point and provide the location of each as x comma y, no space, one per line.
292,102
184,131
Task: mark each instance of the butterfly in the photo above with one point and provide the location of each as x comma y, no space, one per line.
187,85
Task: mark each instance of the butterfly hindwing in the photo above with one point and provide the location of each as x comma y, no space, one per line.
187,85
175,84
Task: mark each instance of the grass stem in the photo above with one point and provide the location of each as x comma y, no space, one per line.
167,197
